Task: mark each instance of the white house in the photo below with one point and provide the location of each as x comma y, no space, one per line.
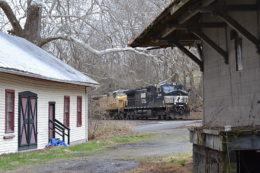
41,97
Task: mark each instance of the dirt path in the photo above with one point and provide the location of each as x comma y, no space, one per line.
122,157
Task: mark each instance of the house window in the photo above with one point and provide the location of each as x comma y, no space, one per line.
66,119
79,111
238,49
239,57
9,111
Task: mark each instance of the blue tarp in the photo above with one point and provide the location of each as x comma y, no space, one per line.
56,142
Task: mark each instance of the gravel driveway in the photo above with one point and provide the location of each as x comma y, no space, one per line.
171,138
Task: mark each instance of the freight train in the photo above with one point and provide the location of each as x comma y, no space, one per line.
166,101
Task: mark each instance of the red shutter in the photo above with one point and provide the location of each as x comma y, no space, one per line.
9,110
79,111
66,118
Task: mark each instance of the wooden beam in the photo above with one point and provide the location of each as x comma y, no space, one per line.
211,43
188,53
170,28
199,25
189,13
212,25
194,9
242,7
168,31
239,28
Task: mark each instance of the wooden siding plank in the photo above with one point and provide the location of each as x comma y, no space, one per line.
47,91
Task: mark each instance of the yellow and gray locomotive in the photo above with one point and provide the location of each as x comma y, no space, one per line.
153,102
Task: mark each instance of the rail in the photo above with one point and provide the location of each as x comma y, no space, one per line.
60,129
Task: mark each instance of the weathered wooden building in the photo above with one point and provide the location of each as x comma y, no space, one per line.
226,34
40,97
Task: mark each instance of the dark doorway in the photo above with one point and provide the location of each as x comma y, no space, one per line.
27,119
51,120
248,161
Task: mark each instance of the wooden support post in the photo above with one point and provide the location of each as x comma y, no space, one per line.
236,26
211,43
189,54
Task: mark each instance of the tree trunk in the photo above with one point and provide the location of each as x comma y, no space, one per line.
32,27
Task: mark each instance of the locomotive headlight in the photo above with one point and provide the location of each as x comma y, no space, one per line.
185,99
181,99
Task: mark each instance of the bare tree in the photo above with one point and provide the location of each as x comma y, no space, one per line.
91,35
32,28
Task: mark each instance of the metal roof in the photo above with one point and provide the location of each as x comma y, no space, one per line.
21,57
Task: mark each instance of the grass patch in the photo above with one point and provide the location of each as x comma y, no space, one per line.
181,163
180,159
131,138
99,129
13,161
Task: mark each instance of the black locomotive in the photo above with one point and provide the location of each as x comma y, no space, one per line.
161,102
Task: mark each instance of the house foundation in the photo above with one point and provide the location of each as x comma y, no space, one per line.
218,151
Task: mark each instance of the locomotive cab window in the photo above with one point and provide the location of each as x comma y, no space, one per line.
168,89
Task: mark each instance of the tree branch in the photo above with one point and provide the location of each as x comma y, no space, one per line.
140,51
47,40
17,29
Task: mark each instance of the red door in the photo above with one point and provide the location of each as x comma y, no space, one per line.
51,118
27,129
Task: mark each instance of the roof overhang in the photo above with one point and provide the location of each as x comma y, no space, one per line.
20,57
36,76
166,27
179,25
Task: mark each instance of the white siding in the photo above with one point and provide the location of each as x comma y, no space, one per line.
47,92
